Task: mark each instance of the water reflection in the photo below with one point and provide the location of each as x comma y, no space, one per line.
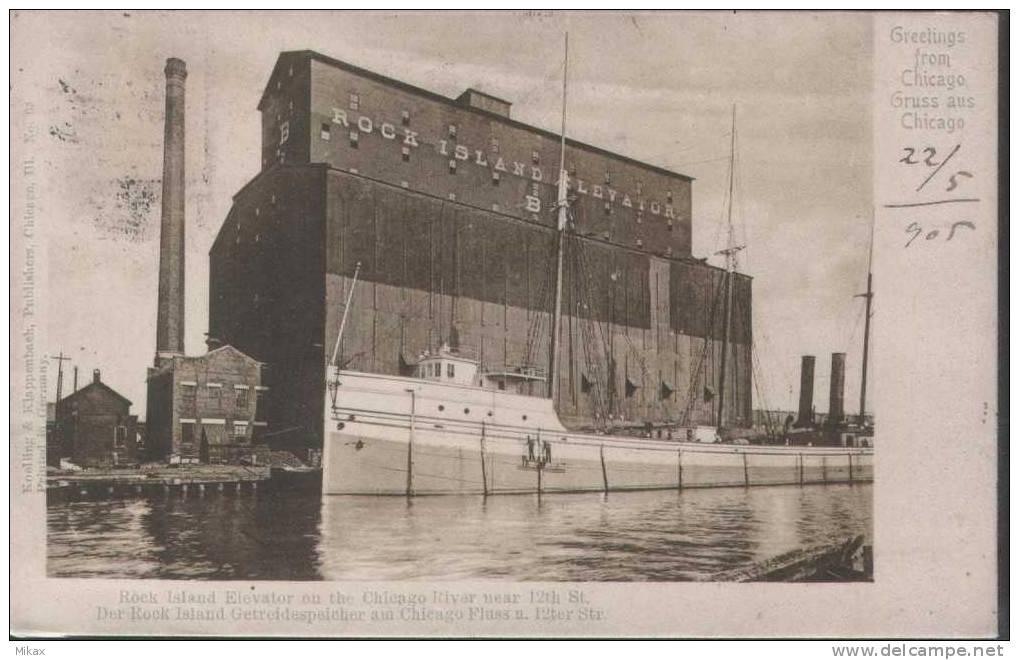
657,536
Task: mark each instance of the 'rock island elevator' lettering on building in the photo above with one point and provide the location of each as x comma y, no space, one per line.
448,205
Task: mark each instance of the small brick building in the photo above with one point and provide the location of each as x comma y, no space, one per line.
207,408
94,427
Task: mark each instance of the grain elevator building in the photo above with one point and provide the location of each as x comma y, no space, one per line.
448,204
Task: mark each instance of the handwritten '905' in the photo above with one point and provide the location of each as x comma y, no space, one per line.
915,229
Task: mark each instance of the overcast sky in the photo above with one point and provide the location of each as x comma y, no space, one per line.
656,87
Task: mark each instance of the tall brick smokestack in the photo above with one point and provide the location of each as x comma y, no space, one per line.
836,407
805,417
170,315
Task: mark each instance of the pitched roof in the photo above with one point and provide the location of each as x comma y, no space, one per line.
98,384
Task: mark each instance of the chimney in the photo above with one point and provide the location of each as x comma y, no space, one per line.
170,314
806,412
838,379
95,376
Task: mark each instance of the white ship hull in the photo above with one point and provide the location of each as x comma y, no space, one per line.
388,435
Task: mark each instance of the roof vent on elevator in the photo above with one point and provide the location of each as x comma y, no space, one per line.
472,98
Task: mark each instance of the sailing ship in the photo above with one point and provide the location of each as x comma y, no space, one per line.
450,426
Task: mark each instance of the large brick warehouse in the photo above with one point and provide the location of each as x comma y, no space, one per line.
448,206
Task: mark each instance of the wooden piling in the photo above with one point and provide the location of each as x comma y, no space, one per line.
604,472
484,476
799,460
850,457
746,470
679,469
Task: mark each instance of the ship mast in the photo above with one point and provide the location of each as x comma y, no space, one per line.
561,204
730,268
869,297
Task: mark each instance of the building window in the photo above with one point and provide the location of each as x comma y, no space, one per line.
535,158
668,196
325,132
495,145
452,130
187,433
187,397
355,101
405,152
120,437
260,411
241,398
450,370
495,178
405,118
452,167
353,139
215,394
240,433
437,370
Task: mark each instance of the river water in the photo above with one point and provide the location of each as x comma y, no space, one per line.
653,535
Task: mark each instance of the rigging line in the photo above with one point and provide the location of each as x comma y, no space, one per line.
699,162
586,339
757,371
545,302
708,352
534,333
606,347
856,326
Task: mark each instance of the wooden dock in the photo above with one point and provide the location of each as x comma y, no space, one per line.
182,481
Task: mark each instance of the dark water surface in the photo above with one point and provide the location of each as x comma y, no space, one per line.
655,535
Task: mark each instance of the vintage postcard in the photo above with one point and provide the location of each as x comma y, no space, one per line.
511,324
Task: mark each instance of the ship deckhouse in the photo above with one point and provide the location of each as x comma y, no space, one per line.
447,366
